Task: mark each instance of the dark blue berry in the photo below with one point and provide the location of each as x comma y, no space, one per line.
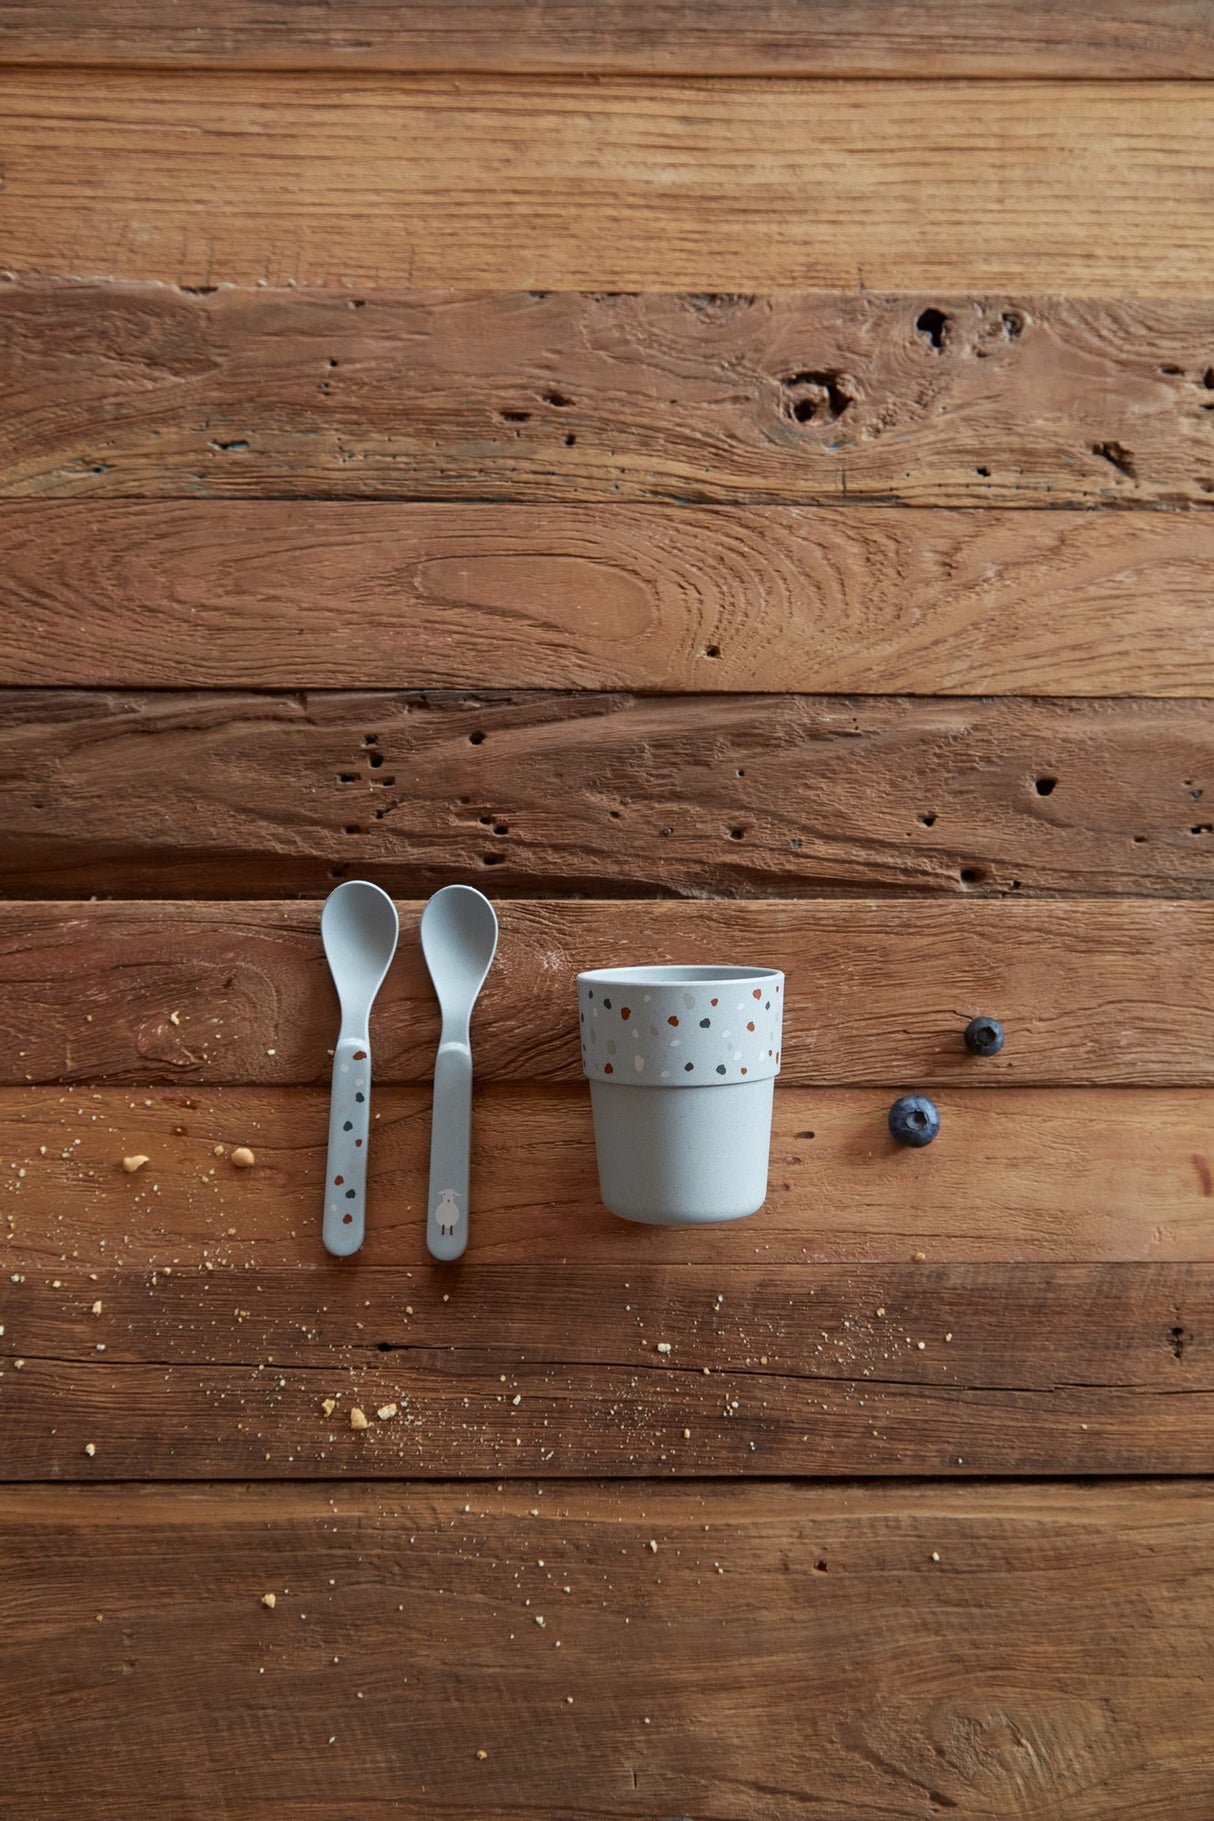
914,1120
984,1036
687,1067
349,1126
607,1003
720,1068
704,1023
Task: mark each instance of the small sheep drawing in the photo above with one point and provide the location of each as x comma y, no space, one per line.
447,1212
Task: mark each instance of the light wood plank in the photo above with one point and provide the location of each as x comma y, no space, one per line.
549,1368
1126,38
222,793
1078,1175
879,992
933,399
756,1665
552,183
306,595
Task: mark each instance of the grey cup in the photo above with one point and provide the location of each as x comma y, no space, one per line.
682,1064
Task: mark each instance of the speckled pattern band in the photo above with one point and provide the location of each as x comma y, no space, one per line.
681,1026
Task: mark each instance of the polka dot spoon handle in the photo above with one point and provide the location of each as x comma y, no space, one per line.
349,1125
359,928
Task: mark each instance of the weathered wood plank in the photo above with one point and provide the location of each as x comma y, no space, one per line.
129,390
223,793
1126,38
305,595
1073,1175
756,1664
553,183
1090,993
494,1370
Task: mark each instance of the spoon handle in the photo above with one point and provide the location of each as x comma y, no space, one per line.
346,1169
450,1135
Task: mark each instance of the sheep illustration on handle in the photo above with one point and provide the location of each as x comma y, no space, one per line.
447,1212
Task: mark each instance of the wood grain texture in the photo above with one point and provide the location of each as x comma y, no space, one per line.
550,1368
552,183
222,793
1082,1175
305,595
1126,38
934,399
758,1665
1090,993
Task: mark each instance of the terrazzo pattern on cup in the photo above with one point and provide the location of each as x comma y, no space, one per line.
681,1026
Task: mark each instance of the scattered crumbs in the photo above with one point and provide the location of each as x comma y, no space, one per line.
921,1345
517,1398
663,1346
653,1546
540,1619
408,1308
482,1754
220,1150
948,1337
97,1307
42,1150
271,1052
385,1411
329,1405
174,1017
935,1555
270,1600
131,1164
687,1435
357,1418
243,1158
881,1310
762,1359
17,1364
446,1298
919,1257
90,1448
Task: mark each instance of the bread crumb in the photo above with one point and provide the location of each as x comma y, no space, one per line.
687,1435
174,1017
131,1164
97,1307
663,1346
220,1150
918,1257
653,1545
482,1754
90,1448
243,1158
921,1345
516,1399
540,1619
357,1418
385,1411
935,1555
270,1600
329,1405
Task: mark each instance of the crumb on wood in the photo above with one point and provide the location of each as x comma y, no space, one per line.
358,1419
131,1164
243,1158
329,1405
97,1307
385,1411
90,1448
270,1600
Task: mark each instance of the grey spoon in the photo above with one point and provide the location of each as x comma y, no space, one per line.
459,938
359,928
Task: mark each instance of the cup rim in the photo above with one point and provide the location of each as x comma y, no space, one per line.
674,974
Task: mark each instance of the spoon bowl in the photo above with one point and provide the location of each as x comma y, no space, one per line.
359,928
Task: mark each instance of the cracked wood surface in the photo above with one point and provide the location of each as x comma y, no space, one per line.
1079,1175
785,1652
1111,993
365,594
940,398
1124,39
482,182
222,793
822,1371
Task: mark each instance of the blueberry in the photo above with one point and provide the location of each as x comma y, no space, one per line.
984,1036
914,1120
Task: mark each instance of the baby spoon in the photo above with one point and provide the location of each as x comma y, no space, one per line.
459,937
359,928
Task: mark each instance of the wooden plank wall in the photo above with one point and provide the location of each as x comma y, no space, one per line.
731,482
